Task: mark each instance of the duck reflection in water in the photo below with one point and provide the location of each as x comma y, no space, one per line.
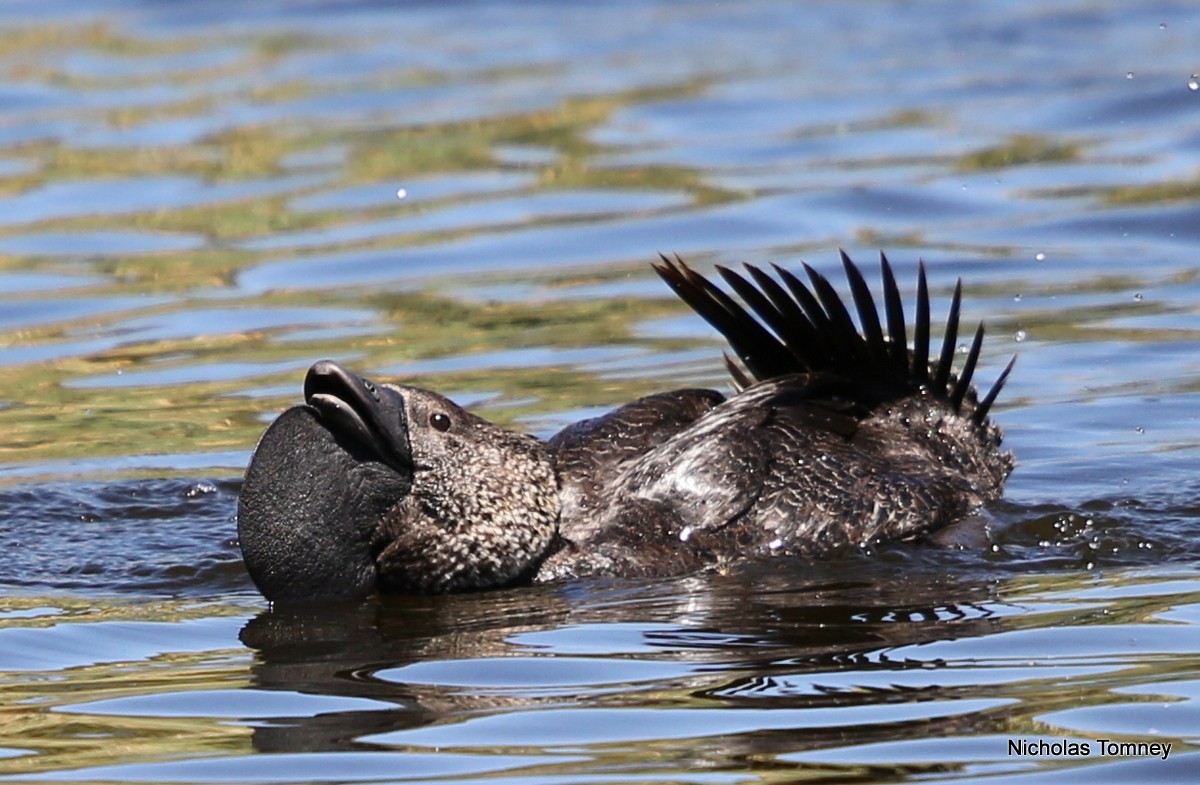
837,436
753,637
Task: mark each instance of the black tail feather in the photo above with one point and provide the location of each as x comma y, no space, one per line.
740,380
981,411
868,314
798,330
920,356
839,317
941,376
805,299
963,384
897,329
765,309
787,327
761,353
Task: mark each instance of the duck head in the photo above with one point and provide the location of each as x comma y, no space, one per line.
377,486
484,505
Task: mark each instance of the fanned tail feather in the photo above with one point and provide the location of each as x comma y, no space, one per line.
788,326
920,354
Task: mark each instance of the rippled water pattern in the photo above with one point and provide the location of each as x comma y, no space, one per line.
201,199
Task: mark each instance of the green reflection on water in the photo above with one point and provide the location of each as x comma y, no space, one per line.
1021,150
50,418
33,702
76,406
1155,193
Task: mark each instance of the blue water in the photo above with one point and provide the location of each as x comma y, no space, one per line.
200,200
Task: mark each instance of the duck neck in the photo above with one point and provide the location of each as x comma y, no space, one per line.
494,533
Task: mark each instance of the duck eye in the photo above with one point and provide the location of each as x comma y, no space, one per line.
440,421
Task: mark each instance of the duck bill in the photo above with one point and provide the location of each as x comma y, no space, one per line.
360,413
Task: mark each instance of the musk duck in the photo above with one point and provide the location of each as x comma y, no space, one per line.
837,435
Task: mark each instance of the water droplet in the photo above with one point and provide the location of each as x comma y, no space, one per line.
961,348
401,193
1194,83
1017,298
200,489
775,544
685,534
1020,335
1039,257
1140,429
1138,297
1129,74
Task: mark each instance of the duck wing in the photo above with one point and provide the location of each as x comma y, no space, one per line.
774,471
589,455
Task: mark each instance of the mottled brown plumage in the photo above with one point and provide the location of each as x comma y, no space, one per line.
484,503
